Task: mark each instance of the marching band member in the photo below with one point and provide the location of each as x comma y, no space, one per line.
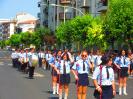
40,58
97,60
52,62
21,60
103,79
78,57
26,61
15,57
80,71
91,59
58,58
33,60
48,56
64,74
123,63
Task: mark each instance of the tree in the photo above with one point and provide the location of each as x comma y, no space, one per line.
86,29
42,32
118,23
15,40
26,38
35,40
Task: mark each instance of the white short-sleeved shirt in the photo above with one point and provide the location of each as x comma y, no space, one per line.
98,60
78,66
14,55
104,81
60,66
120,61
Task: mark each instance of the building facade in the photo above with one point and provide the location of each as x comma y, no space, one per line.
53,12
23,22
7,28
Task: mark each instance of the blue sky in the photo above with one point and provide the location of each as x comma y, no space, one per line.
9,8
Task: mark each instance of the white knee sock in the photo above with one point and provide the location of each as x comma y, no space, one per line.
54,90
57,89
60,96
124,91
65,97
120,91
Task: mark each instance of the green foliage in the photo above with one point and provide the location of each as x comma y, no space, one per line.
35,39
40,34
119,21
26,38
86,30
2,44
15,40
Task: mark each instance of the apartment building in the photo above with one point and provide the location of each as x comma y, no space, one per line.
25,22
53,12
7,28
21,23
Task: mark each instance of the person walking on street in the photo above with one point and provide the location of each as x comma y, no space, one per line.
81,71
123,63
103,79
63,69
33,61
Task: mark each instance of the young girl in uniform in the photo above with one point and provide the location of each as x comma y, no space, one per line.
54,74
103,79
63,69
123,63
80,71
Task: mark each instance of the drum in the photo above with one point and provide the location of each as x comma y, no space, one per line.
34,60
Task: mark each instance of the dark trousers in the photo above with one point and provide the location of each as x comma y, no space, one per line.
31,72
47,66
40,62
14,62
25,66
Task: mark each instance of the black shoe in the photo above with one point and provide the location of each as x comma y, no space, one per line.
31,78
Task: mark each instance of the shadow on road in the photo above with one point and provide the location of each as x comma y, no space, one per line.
53,98
49,92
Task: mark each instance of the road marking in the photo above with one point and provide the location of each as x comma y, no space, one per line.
9,64
38,74
1,63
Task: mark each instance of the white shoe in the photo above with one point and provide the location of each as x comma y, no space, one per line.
120,93
125,93
54,92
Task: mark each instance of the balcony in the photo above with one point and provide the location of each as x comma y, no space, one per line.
68,15
85,4
65,1
102,6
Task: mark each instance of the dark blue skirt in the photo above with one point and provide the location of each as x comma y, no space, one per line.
124,72
83,80
107,93
64,79
53,72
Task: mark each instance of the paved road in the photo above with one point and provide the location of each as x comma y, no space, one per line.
15,85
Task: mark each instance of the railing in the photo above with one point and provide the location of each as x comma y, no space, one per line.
68,15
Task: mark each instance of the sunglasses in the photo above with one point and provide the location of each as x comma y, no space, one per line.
84,55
